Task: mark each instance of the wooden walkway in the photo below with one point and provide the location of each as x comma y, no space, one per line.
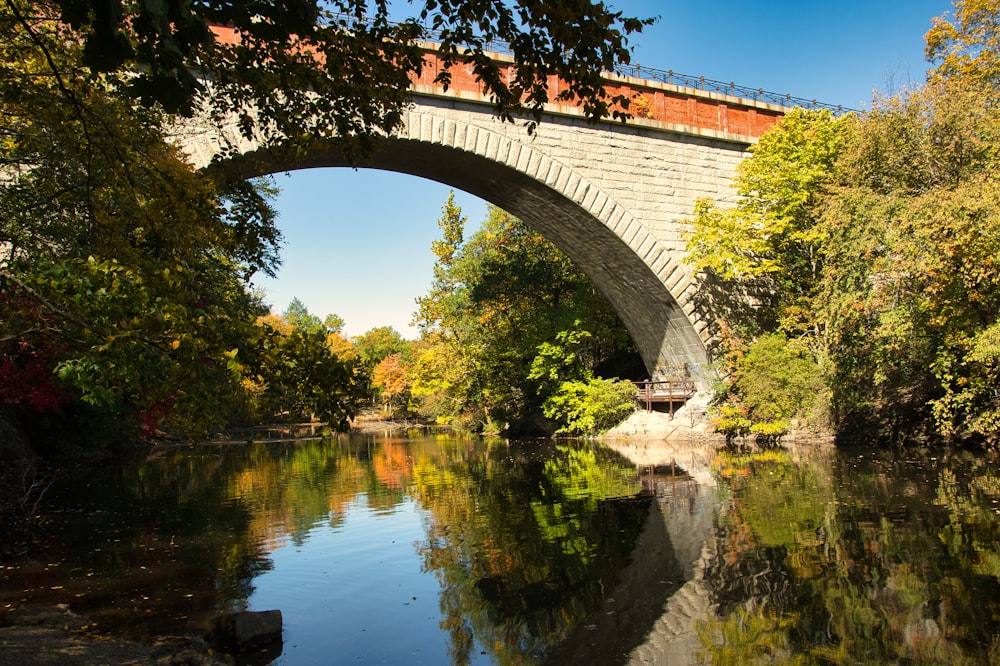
672,392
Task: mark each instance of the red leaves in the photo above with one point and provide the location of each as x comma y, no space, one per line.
26,380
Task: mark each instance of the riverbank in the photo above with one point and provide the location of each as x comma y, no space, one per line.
660,425
37,636
692,424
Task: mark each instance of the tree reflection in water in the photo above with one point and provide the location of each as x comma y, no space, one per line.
522,537
818,556
524,542
856,557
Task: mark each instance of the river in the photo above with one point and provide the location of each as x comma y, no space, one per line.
445,550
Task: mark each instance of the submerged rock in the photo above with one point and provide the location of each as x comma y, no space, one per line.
33,635
30,615
244,630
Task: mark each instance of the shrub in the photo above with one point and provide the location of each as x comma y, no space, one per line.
778,380
590,406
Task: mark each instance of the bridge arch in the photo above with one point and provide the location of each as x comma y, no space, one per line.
637,266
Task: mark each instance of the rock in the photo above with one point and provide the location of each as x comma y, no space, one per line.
187,652
243,630
36,616
34,635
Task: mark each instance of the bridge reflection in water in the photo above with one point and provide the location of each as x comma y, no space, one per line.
650,616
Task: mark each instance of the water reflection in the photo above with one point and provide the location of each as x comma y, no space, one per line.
517,539
446,550
855,557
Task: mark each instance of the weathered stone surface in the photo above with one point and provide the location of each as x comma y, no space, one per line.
243,630
43,635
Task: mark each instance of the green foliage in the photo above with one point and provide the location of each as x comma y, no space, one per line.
300,319
303,376
375,344
591,406
438,379
768,247
913,288
340,68
872,240
560,360
507,319
333,323
775,383
777,380
133,273
123,272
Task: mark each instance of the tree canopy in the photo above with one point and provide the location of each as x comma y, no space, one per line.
343,67
874,239
508,320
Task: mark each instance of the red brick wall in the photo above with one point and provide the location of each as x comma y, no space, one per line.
668,104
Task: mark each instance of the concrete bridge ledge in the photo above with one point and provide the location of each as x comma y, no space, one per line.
574,112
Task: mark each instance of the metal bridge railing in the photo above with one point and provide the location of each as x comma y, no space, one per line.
671,77
667,76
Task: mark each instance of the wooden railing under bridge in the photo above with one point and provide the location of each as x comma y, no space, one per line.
673,392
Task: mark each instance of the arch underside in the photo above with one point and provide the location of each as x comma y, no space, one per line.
663,334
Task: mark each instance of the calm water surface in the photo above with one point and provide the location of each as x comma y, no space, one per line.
439,550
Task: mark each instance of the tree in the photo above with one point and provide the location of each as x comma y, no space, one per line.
300,319
375,344
122,271
874,240
446,287
760,266
371,348
342,67
333,323
496,299
390,378
969,46
779,383
591,406
912,288
913,285
768,248
303,377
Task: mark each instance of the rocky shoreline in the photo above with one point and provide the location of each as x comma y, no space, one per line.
41,635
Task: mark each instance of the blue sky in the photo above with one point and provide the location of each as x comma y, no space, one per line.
357,242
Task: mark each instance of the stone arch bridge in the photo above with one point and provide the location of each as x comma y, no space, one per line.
613,196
